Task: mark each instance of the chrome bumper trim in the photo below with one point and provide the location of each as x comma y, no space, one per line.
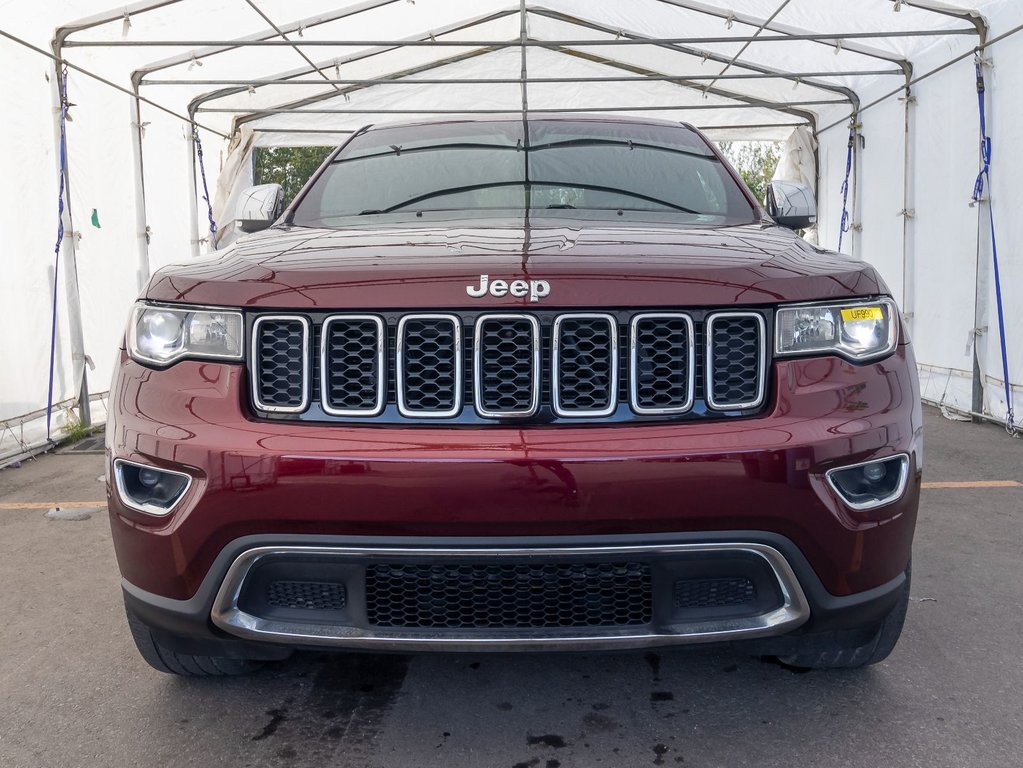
226,614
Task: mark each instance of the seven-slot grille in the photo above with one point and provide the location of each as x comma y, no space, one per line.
511,365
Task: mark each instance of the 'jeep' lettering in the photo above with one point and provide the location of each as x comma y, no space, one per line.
535,289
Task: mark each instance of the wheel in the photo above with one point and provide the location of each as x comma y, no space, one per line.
163,659
833,653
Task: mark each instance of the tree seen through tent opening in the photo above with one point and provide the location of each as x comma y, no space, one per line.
290,167
755,161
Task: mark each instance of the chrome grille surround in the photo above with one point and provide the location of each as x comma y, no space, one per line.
665,365
401,364
380,359
479,387
557,359
634,374
709,361
256,368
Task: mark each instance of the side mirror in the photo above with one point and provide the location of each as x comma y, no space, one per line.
259,207
791,204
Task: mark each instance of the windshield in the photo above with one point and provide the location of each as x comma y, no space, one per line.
484,166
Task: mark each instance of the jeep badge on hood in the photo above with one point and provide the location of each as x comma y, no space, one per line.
536,289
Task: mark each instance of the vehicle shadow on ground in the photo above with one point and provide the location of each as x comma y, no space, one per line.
711,707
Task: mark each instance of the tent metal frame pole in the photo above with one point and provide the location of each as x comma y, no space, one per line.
779,106
284,36
756,34
141,216
848,93
339,62
793,32
531,80
813,37
72,292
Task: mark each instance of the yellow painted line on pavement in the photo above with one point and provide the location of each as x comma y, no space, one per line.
50,504
977,484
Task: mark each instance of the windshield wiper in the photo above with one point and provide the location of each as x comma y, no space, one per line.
498,184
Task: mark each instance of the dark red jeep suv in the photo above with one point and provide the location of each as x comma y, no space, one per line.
508,384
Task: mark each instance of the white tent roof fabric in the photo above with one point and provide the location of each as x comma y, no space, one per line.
308,72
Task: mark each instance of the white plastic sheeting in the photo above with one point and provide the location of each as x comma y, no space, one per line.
265,72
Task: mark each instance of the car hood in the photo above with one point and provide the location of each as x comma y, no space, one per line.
429,264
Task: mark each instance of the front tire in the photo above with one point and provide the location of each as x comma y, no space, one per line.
163,659
833,653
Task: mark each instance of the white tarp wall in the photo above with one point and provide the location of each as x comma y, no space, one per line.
937,262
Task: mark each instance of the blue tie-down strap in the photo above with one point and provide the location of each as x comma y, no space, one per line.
984,180
845,224
202,174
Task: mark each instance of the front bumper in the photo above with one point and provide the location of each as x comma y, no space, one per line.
762,477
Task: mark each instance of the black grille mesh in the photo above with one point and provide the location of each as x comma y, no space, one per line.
311,595
662,363
506,365
714,593
280,353
735,360
429,363
353,375
509,596
586,364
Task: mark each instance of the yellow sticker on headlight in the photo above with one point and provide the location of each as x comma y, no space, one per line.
862,313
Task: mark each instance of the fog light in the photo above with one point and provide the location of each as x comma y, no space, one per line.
149,477
148,489
874,472
871,484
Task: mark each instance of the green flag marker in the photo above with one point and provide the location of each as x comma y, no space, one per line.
95,219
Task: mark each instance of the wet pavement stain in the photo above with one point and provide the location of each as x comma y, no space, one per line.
654,660
351,694
660,750
531,763
600,723
662,696
277,716
547,740
505,706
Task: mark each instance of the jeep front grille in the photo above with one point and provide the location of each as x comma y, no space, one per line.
280,373
735,357
479,367
352,365
506,363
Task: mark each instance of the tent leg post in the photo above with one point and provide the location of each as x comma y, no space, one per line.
72,293
141,225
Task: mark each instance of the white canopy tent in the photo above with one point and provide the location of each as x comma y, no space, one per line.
884,90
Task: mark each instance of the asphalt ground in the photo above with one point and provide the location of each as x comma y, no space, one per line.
74,692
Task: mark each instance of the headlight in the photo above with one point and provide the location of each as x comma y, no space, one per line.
857,330
161,335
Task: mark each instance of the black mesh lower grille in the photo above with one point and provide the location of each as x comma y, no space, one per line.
509,596
662,359
714,593
352,377
586,363
735,366
280,359
310,595
429,364
507,365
